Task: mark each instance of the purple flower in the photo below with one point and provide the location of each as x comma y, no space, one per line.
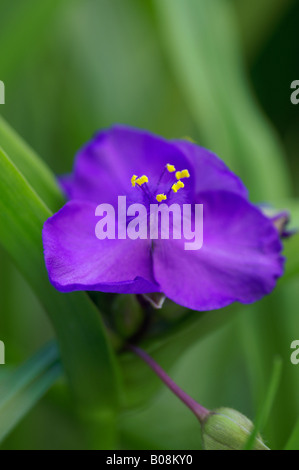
240,259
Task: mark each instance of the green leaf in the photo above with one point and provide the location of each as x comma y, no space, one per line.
38,175
85,350
293,442
265,410
202,45
20,389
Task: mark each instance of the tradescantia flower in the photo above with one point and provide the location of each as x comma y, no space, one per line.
240,259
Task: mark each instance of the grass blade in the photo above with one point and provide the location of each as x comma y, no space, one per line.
85,350
202,45
21,388
264,413
38,175
293,442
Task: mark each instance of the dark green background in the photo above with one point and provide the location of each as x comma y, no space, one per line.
218,71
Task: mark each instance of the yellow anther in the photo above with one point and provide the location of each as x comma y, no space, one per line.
185,174
143,179
133,180
176,186
170,168
182,174
161,197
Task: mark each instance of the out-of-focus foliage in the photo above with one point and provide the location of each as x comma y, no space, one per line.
219,72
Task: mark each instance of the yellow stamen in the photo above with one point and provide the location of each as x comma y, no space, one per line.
176,186
143,179
182,174
185,174
161,197
170,168
133,180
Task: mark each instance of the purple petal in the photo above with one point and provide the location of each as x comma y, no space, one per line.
240,259
105,166
211,173
77,260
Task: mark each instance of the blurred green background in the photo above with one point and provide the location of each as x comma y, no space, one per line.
218,71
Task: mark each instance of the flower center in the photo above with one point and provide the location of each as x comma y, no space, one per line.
141,182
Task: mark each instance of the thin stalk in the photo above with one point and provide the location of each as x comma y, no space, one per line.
200,412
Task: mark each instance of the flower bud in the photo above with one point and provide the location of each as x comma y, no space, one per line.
227,429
